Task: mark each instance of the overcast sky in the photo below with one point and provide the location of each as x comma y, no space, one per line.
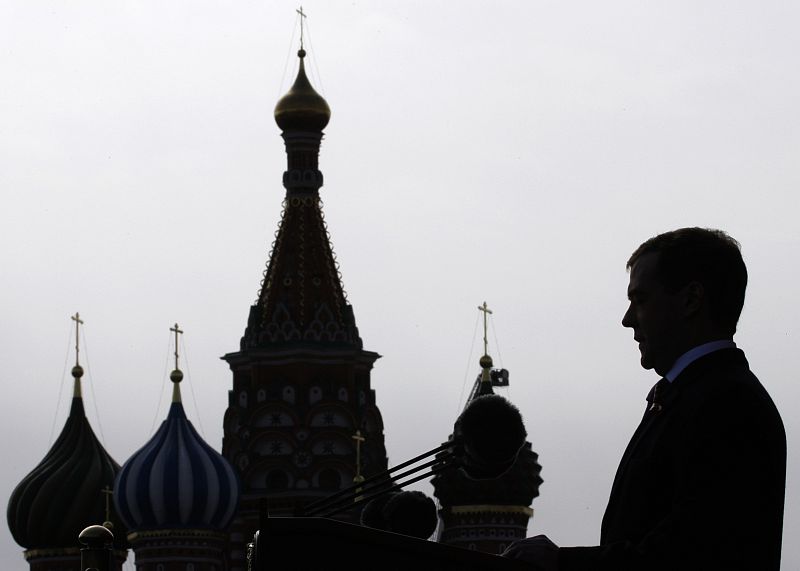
512,152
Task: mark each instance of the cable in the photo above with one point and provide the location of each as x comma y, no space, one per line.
91,388
60,389
496,344
469,362
288,55
314,59
191,385
163,382
499,356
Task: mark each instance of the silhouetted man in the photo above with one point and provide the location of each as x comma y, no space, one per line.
701,484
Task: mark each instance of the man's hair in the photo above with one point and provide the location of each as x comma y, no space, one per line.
707,256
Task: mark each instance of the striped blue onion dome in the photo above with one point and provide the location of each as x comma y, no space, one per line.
176,481
63,494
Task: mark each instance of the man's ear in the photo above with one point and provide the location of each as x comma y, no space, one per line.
694,297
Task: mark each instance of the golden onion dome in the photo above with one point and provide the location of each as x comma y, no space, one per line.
302,108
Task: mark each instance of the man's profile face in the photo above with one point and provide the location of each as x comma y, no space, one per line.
655,315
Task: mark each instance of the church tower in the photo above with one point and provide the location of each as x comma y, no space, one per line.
302,421
487,515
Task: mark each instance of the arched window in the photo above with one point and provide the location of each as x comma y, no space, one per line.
261,395
243,399
343,394
288,394
314,395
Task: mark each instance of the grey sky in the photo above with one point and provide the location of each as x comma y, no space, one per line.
513,152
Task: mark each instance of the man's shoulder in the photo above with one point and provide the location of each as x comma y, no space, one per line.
725,370
721,385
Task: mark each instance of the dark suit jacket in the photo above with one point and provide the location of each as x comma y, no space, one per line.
702,482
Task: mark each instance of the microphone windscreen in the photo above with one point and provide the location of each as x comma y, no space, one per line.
407,513
411,513
372,514
491,433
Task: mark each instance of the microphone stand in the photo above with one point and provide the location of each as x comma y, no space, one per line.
375,486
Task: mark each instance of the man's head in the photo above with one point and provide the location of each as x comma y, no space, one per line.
686,288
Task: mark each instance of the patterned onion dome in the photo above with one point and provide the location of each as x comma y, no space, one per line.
302,108
176,480
64,493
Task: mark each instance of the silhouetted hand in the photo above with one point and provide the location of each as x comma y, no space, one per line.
539,551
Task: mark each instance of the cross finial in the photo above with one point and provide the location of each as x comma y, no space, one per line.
359,439
108,492
302,20
78,322
486,311
177,332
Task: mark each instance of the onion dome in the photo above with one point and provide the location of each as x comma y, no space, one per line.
65,492
302,108
176,480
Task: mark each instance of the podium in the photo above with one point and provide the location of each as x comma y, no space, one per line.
319,544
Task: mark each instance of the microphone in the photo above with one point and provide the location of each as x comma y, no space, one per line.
407,513
490,433
487,438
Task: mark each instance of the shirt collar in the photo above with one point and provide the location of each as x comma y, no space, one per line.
694,354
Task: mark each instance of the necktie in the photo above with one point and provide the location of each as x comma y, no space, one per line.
656,394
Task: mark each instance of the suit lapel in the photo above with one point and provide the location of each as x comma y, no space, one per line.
646,423
664,397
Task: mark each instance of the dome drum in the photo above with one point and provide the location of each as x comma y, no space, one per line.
302,150
177,548
297,181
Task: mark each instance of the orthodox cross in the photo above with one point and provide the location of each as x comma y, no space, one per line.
302,18
486,311
177,331
78,322
108,492
359,439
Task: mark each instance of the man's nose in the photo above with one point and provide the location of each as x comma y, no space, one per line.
627,319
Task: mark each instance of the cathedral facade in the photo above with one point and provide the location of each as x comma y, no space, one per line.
302,421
